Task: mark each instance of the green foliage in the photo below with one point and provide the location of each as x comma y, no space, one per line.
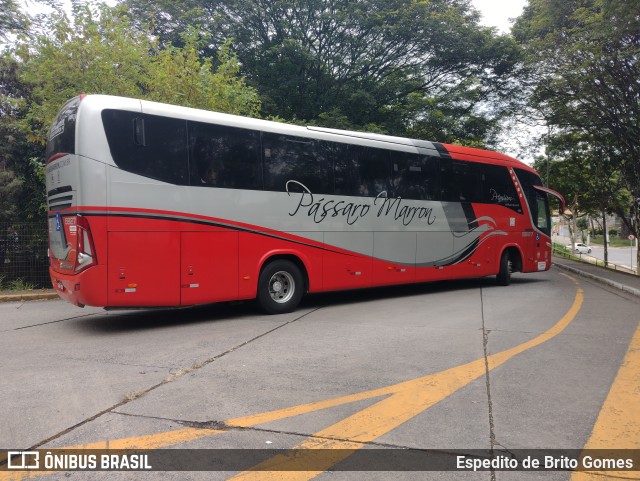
582,223
19,285
100,52
586,174
364,64
9,188
178,76
21,187
585,56
10,18
16,284
96,53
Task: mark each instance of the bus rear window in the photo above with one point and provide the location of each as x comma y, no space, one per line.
57,239
62,134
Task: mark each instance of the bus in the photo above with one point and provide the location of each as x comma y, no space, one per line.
153,205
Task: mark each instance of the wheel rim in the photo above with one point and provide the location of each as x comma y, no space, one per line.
281,287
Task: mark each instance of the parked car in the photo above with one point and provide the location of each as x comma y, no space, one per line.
581,248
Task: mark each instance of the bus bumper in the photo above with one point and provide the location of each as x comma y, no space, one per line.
88,288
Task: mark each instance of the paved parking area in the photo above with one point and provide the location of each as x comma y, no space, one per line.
549,362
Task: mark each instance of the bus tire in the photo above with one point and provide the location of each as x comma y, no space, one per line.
280,287
506,266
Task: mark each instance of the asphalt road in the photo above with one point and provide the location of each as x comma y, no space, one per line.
451,365
622,256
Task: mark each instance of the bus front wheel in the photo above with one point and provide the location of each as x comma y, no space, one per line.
506,267
280,287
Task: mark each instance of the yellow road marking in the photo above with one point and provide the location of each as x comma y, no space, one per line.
408,400
402,402
618,424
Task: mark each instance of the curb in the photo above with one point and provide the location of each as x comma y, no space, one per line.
609,282
22,297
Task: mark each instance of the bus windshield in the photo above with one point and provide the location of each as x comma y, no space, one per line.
538,202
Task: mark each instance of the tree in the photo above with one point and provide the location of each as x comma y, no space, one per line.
586,57
100,52
10,18
375,64
96,52
19,158
178,76
588,178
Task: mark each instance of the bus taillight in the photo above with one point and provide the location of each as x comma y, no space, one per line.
86,250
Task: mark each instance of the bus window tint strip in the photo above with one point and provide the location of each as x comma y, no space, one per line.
210,155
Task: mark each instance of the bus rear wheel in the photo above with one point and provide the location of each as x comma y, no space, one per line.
506,267
280,287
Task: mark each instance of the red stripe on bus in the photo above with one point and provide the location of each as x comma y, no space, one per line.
57,156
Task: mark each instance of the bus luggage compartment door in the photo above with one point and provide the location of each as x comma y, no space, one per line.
401,248
349,270
209,267
143,269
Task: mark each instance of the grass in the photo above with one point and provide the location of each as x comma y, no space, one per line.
614,241
16,285
563,251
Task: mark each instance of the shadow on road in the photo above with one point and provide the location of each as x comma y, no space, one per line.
122,321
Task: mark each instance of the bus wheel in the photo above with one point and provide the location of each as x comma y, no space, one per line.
280,287
506,266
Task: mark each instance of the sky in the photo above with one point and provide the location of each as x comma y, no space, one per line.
496,13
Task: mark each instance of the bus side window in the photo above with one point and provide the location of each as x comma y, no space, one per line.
498,187
162,156
288,158
375,173
346,170
415,176
461,181
361,171
225,157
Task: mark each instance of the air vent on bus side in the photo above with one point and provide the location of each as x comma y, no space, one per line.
60,198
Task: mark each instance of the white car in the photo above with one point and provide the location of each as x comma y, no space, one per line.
581,248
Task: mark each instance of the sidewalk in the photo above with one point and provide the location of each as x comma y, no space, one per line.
33,295
625,282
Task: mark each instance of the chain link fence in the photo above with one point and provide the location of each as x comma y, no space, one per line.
23,256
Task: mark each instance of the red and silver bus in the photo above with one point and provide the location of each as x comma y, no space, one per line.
159,205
